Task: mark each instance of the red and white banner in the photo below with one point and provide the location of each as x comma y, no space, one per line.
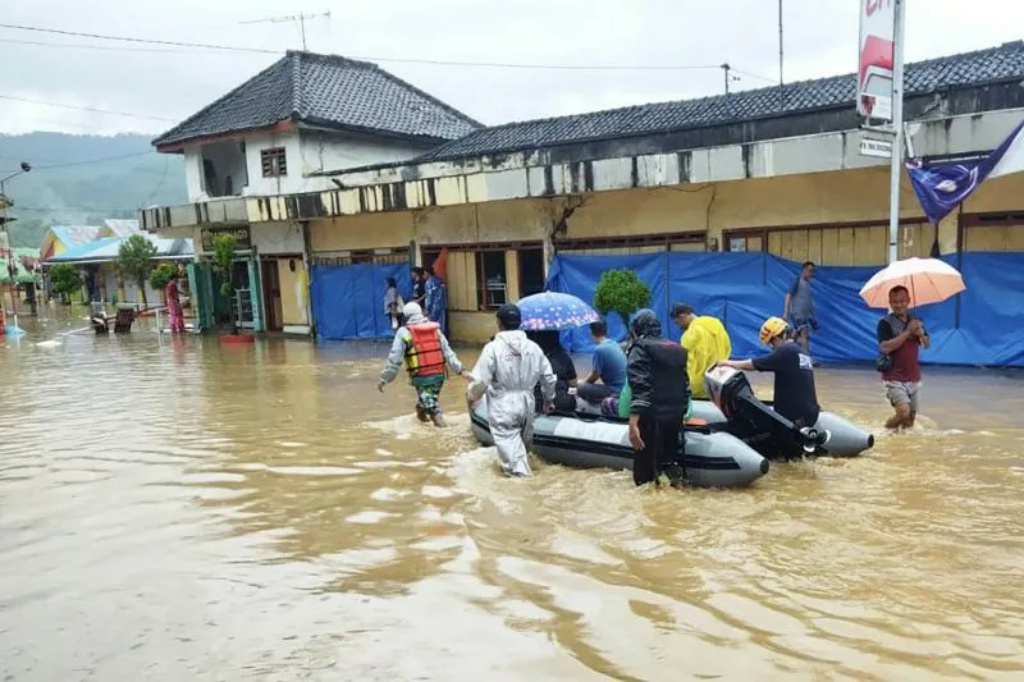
874,87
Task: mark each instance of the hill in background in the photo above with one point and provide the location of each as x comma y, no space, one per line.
82,179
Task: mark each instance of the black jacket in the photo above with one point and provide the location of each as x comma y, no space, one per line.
657,376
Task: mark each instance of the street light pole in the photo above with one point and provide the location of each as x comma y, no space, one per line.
25,168
896,164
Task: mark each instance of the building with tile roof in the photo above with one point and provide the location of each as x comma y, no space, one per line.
327,91
740,116
274,135
306,113
772,169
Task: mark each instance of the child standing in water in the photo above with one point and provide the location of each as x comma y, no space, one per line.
393,304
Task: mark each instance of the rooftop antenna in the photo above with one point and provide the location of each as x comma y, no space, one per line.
300,17
726,68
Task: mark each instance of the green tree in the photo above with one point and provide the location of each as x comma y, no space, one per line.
159,278
135,261
65,280
621,292
223,262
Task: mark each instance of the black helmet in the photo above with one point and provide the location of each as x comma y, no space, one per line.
645,324
509,317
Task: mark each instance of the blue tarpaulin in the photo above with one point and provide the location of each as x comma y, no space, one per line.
348,300
982,326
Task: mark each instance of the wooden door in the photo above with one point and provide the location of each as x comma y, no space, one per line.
271,294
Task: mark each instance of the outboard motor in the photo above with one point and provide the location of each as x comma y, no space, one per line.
753,421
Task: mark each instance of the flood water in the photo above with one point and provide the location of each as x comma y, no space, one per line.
171,509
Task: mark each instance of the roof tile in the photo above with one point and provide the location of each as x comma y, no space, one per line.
973,68
327,90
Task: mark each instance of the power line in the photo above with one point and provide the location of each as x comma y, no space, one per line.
130,39
112,48
159,184
753,75
55,209
92,109
84,162
397,60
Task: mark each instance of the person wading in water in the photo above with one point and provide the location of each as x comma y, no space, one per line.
424,350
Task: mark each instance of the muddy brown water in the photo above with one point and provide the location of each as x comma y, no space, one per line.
174,510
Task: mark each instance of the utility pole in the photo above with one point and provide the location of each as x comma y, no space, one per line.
300,17
782,92
896,167
725,72
25,168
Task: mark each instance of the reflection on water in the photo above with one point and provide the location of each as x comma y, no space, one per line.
171,509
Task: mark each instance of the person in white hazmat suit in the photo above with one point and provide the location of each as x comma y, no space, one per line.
509,368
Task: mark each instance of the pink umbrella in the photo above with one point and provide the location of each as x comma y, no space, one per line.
928,280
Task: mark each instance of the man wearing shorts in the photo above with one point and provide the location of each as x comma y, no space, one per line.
901,336
798,308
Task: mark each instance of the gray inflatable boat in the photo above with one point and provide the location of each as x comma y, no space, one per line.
713,458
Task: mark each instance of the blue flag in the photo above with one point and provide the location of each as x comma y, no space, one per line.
940,188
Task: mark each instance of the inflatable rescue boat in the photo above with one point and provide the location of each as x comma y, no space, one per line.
712,458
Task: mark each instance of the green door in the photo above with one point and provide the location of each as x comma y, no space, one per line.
256,294
200,284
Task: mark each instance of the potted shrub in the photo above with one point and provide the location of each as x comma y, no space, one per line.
621,292
223,262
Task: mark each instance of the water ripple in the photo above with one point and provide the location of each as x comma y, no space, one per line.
269,500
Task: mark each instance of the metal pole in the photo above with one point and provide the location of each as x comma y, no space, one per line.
12,287
896,166
780,46
302,24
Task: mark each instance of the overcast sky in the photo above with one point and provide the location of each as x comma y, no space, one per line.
820,40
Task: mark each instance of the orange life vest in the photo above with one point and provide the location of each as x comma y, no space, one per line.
423,357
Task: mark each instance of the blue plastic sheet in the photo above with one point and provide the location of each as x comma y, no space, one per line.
982,326
348,301
578,275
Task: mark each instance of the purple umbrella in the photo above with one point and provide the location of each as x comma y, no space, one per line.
554,311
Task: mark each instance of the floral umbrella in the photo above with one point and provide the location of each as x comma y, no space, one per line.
554,311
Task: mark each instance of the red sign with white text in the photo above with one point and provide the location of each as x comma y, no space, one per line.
874,87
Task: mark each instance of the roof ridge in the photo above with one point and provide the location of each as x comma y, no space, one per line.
284,90
348,61
295,73
1005,47
422,93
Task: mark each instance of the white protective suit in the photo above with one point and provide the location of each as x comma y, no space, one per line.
509,368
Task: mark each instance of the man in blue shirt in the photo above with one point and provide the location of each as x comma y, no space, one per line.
798,308
609,366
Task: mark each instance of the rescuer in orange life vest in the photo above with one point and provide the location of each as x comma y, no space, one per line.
424,350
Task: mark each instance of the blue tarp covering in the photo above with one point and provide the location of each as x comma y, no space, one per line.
348,301
980,327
